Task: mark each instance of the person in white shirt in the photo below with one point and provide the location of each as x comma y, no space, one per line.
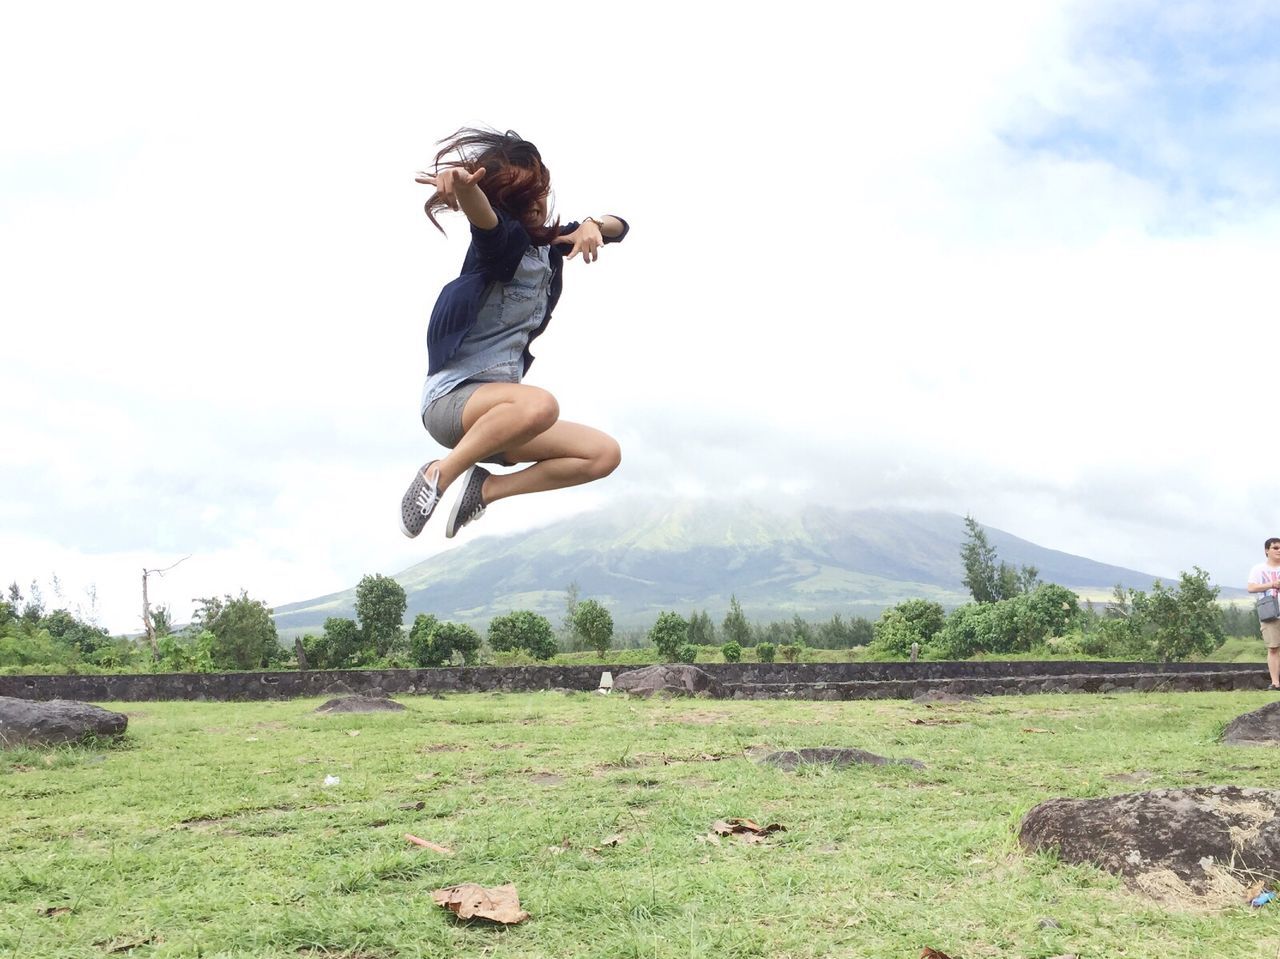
1263,578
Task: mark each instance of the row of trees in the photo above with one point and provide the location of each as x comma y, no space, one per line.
1012,612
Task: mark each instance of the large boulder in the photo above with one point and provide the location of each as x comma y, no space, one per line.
360,704
1173,844
1258,728
826,756
671,679
26,722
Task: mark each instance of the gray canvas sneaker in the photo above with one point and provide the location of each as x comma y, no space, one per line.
418,503
469,505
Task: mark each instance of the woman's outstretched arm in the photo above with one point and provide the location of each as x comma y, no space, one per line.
459,190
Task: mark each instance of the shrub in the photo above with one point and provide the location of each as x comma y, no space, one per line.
687,653
433,643
913,621
790,652
732,652
523,629
765,652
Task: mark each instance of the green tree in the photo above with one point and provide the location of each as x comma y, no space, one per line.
340,646
1180,622
380,606
736,629
244,634
668,634
67,629
568,632
523,629
592,622
981,576
986,580
701,629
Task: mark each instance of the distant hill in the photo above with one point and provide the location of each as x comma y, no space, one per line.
687,555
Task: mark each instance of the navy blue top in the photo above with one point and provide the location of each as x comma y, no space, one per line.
492,257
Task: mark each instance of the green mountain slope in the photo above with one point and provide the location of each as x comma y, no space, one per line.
639,559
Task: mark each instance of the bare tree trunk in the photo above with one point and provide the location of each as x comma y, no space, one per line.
302,655
147,624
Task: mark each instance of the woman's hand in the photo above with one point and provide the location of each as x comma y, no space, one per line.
587,240
448,181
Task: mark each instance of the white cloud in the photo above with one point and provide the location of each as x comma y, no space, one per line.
861,262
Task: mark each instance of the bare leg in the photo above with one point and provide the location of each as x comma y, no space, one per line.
568,454
522,423
1273,664
498,416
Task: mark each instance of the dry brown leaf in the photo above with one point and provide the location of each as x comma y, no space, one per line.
927,953
710,838
55,911
617,839
125,943
353,732
1254,891
727,827
471,901
412,806
434,847
1033,729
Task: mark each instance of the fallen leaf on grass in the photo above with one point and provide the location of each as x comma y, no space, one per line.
59,911
353,732
412,806
1033,729
933,722
745,827
617,839
927,953
711,838
126,943
426,844
471,901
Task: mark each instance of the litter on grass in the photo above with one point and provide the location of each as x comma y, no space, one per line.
471,901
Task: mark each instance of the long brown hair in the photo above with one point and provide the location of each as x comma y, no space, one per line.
514,176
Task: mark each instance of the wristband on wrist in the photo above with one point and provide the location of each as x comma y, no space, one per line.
599,224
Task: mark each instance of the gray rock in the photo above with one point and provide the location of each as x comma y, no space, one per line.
672,679
794,758
1168,843
1257,728
24,722
360,704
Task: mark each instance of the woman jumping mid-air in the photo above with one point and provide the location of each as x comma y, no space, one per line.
478,339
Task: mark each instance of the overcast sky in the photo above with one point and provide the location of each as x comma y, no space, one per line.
1015,259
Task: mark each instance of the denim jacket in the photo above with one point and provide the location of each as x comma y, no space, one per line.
493,257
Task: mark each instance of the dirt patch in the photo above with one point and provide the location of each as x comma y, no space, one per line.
702,718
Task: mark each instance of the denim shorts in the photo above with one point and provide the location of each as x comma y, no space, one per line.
443,418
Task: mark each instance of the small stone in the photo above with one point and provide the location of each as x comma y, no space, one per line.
359,704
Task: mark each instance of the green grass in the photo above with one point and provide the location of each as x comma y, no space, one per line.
209,832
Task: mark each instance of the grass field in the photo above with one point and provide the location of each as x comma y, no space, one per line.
210,831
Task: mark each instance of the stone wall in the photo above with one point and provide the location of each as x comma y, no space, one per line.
748,680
